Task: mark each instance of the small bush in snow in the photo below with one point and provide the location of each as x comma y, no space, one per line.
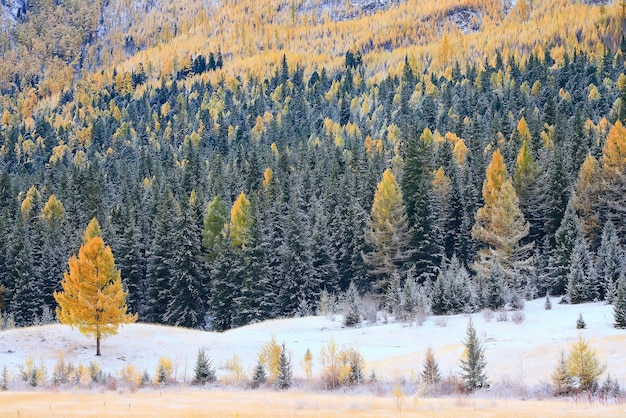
130,376
4,379
518,317
502,316
35,376
487,314
580,322
369,309
517,301
441,321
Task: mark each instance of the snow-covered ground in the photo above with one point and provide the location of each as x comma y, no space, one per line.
525,353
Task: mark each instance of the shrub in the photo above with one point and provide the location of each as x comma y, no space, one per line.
580,322
518,317
487,314
236,375
441,321
4,379
32,374
130,376
502,316
269,356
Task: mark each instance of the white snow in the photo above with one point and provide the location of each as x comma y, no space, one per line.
525,352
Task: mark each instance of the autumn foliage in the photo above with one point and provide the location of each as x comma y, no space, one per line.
93,298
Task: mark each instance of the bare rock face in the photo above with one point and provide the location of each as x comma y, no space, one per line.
13,9
340,10
11,12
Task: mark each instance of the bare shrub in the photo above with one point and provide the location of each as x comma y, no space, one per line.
518,317
487,314
502,316
369,308
449,385
508,387
441,321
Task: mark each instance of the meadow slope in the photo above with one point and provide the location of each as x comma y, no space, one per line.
523,353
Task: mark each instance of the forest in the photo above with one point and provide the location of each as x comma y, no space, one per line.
231,203
236,182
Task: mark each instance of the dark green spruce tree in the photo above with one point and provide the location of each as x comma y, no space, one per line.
160,266
473,362
186,306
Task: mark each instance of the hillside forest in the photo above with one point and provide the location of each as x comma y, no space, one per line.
232,199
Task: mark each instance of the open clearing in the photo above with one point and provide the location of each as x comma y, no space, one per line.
518,355
215,403
524,353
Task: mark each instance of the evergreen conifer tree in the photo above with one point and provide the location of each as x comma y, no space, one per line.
203,370
160,262
352,315
55,247
186,306
560,378
566,237
610,262
22,289
283,380
259,377
430,372
582,280
619,306
496,291
473,361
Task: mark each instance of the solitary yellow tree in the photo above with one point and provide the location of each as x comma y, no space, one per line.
93,298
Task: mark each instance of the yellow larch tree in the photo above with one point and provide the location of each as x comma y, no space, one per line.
587,198
240,221
614,176
93,298
388,233
500,226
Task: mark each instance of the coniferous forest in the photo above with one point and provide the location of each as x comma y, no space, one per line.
230,201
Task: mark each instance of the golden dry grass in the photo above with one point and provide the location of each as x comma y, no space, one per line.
237,403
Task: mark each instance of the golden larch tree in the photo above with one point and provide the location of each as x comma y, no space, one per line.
586,199
388,232
614,177
93,298
240,221
501,226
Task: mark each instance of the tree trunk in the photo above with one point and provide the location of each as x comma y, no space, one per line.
97,344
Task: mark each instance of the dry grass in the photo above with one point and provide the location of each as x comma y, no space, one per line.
198,403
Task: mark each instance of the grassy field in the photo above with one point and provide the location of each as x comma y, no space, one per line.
233,403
